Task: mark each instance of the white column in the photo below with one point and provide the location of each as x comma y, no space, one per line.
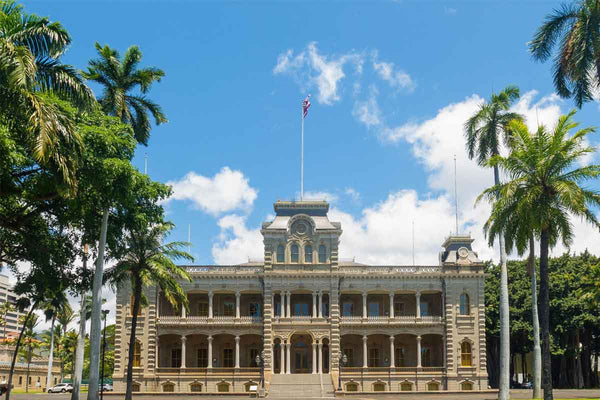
392,353
237,304
183,314
183,339
365,356
210,304
282,357
392,305
418,351
237,351
288,347
320,354
272,305
418,300
314,358
210,340
320,304
273,358
314,304
156,355
282,301
288,305
364,297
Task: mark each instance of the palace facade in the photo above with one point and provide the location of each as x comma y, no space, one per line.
396,328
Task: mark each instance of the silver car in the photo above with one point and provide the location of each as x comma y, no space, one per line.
61,388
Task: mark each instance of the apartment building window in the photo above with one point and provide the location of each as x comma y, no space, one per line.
202,358
175,358
228,358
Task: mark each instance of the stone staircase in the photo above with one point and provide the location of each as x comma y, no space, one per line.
301,386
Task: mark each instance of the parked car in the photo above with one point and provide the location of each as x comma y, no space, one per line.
528,385
4,388
61,388
106,388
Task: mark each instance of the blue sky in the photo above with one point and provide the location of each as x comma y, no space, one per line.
391,85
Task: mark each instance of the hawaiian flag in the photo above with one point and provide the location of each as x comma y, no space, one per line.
305,106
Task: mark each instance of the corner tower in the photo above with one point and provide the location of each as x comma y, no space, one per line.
301,233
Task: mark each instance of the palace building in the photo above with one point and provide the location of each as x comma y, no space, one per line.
305,311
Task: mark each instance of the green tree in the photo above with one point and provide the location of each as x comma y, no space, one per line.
574,29
148,262
31,343
484,133
64,317
543,183
5,308
52,308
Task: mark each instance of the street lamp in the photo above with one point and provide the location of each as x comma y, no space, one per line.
104,314
260,363
342,360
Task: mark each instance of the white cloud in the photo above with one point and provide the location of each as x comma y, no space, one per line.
450,10
312,69
321,195
353,194
236,243
397,79
367,112
228,190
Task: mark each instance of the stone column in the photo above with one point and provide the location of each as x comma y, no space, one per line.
392,305
237,351
210,304
288,347
183,340
365,355
282,301
320,354
282,357
392,353
314,358
210,340
183,313
272,304
237,304
288,305
418,351
314,304
156,355
364,297
418,300
320,304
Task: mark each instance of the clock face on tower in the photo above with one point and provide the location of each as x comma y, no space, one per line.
463,252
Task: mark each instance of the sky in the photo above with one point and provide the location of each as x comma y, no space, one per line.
391,84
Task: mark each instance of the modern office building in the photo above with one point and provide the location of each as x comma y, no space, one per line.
12,327
304,311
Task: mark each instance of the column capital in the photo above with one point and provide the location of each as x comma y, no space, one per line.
320,344
183,338
237,338
392,339
365,338
210,338
314,344
418,293
391,294
364,294
418,338
238,293
210,293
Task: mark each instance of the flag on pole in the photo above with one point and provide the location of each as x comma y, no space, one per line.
305,106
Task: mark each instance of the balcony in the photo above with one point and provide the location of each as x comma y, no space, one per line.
253,371
397,320
203,321
350,372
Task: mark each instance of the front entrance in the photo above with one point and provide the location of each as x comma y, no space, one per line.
301,362
301,354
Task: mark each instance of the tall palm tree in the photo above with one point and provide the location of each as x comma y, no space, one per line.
575,29
51,309
485,131
544,180
30,69
64,317
148,262
120,79
30,342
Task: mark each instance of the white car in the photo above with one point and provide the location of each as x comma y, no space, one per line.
61,388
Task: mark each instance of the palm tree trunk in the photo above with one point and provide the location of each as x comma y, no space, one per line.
28,366
504,381
96,321
137,294
51,355
545,316
79,350
537,349
14,358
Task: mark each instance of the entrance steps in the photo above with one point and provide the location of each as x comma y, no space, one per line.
301,386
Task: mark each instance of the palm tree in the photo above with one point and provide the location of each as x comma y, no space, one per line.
120,78
30,69
543,183
148,262
576,27
485,131
31,343
51,309
64,317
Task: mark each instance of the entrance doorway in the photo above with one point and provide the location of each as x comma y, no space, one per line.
301,353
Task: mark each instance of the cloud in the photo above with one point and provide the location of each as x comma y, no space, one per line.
450,10
236,243
321,195
367,112
312,69
353,194
397,79
228,190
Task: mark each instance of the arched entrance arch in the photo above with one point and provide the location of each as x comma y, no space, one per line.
301,354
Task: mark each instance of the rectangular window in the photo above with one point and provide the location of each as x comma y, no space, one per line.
202,358
399,357
229,309
348,309
399,309
349,353
228,358
373,357
424,309
253,354
254,309
301,309
203,309
426,357
278,309
325,309
175,358
374,309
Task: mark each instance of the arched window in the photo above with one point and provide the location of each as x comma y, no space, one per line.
196,387
280,254
322,254
168,387
135,387
465,307
433,386
465,354
379,387
137,354
351,387
308,257
223,387
294,253
406,387
466,386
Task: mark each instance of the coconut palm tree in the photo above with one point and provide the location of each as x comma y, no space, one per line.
64,317
544,177
148,262
52,309
574,29
30,343
485,132
121,78
30,69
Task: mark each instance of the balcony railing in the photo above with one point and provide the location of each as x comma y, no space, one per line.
400,319
392,371
216,320
205,371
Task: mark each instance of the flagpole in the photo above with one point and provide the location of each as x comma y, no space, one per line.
302,155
